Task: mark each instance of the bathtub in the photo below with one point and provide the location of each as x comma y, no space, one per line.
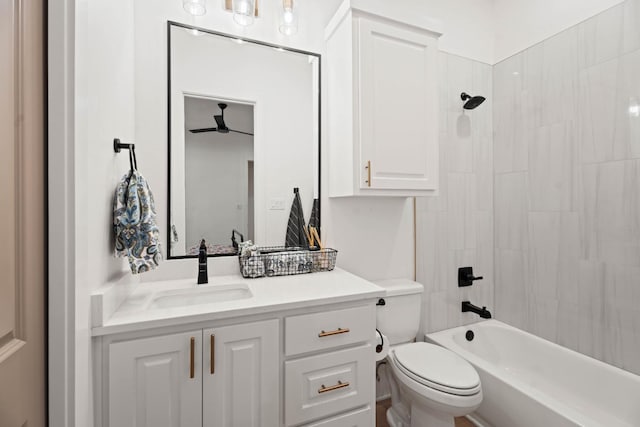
530,382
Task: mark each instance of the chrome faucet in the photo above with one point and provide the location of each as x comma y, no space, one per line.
482,312
203,275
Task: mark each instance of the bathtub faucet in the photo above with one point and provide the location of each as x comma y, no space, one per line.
482,312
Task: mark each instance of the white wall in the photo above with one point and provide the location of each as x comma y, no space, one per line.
520,24
216,190
468,27
104,88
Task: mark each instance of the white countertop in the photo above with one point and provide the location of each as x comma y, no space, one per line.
269,294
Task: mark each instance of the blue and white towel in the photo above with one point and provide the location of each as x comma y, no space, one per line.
134,221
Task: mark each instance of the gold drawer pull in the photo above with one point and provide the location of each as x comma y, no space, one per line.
340,384
336,332
192,364
368,168
212,349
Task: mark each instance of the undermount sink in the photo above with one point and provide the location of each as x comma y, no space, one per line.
199,296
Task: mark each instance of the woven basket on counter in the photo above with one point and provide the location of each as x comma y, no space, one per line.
283,261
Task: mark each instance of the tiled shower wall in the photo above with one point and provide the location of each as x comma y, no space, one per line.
566,161
456,229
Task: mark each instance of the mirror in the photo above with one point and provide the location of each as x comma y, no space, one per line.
244,131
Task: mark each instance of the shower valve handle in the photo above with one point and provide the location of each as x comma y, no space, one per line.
466,277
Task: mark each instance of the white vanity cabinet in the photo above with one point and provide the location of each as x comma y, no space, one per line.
382,105
218,377
299,352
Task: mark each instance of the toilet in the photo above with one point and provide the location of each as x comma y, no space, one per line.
430,385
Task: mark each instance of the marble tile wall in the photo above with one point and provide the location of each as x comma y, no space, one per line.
456,229
566,164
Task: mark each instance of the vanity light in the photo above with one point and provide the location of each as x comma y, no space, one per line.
244,11
195,7
289,20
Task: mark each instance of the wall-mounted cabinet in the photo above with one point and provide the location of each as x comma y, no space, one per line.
382,105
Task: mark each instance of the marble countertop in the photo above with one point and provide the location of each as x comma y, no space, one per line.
269,294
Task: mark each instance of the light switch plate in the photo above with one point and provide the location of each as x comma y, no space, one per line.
276,204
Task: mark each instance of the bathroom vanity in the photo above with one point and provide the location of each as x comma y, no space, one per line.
280,351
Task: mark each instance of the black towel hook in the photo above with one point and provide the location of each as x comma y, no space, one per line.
118,146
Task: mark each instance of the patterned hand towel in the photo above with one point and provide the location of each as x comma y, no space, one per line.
134,222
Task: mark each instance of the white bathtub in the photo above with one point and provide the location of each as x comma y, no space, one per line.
530,382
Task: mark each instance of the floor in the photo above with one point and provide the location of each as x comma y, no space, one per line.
381,418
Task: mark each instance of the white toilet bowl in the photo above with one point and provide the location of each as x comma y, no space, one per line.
430,385
435,383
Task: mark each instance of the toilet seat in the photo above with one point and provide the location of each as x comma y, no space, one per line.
437,368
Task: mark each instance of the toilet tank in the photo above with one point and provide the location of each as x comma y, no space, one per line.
399,318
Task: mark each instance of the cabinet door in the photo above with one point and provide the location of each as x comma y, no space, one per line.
397,107
156,382
241,385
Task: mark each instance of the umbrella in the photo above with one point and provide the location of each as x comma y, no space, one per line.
296,235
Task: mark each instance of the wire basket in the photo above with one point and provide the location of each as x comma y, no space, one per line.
283,261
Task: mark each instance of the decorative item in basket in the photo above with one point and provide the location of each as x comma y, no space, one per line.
283,261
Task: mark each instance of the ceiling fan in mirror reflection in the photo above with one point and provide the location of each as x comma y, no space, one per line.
221,125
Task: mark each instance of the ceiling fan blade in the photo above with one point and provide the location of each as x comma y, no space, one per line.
203,130
239,131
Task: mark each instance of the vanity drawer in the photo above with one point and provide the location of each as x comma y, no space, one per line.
364,417
326,384
329,329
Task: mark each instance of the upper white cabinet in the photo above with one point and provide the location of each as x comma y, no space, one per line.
382,104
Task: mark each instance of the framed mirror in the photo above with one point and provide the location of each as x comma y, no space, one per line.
243,132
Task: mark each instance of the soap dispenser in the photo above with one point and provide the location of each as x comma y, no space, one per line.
203,276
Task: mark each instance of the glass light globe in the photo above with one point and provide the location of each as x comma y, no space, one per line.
195,7
244,11
289,21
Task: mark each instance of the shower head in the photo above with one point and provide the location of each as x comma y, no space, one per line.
471,101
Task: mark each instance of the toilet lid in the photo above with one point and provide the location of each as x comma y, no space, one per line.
437,367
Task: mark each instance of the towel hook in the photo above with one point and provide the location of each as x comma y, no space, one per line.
118,146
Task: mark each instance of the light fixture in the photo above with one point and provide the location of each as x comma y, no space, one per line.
244,11
289,19
195,7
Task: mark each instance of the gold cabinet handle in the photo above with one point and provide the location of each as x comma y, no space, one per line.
336,332
213,354
368,168
340,384
192,362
